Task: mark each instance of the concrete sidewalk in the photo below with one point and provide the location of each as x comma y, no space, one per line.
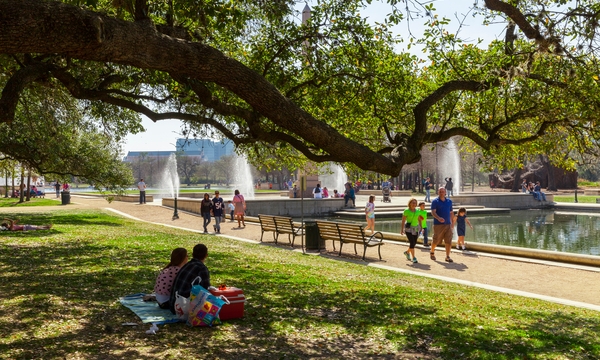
556,282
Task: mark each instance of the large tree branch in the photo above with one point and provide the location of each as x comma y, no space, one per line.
15,85
51,27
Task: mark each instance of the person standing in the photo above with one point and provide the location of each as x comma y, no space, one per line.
423,213
427,186
142,188
240,208
217,211
57,188
206,206
449,185
182,285
524,186
317,192
370,214
443,218
410,226
461,222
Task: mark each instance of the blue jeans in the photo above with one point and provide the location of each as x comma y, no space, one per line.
425,240
206,217
540,196
142,197
218,223
428,195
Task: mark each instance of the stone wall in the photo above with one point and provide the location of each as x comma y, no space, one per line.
513,201
283,207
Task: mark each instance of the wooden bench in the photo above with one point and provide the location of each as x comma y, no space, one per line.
279,225
349,234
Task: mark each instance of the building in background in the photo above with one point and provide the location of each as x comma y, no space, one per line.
210,151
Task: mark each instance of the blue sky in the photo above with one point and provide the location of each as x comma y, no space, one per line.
163,134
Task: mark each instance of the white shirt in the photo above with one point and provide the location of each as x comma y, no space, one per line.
142,186
318,195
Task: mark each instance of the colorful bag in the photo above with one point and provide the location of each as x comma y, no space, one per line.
205,308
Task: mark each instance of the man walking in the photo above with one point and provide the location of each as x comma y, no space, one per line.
142,188
57,187
427,190
443,218
217,211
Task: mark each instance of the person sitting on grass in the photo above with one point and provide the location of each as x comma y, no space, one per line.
164,280
188,272
11,225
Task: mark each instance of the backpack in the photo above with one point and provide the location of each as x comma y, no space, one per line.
317,190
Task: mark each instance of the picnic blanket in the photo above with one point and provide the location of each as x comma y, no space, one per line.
148,311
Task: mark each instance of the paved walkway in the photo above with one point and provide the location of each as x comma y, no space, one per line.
555,282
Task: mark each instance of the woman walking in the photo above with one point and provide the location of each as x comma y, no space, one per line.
240,208
411,219
206,207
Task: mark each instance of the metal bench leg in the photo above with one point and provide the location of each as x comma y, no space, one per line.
276,237
355,253
261,235
290,240
364,252
379,249
341,244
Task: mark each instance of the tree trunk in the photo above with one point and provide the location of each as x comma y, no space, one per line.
22,192
517,180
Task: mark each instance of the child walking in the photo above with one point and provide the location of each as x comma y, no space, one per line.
461,222
231,208
370,214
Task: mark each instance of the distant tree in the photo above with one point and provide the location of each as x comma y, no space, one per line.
188,166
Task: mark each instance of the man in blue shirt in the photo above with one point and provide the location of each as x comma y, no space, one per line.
443,217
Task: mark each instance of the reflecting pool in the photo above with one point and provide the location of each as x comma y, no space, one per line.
534,229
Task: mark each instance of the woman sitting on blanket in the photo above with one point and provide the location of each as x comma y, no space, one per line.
164,281
11,225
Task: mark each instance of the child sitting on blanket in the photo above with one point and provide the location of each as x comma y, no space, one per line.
164,281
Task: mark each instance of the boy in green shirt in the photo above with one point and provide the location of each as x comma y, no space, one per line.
422,212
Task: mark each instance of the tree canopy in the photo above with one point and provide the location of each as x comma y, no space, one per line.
334,89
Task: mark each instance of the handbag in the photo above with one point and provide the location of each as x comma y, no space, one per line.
205,308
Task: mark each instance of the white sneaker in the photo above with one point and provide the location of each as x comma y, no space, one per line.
464,247
457,247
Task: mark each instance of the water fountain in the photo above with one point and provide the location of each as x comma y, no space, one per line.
449,164
170,182
334,177
242,178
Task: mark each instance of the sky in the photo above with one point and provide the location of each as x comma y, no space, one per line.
162,136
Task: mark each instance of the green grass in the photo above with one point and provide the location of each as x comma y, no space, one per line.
11,202
59,290
580,198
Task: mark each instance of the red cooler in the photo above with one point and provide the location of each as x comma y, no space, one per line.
235,309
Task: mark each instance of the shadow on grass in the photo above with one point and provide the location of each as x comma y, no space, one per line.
295,308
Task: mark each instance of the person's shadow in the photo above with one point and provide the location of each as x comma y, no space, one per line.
453,266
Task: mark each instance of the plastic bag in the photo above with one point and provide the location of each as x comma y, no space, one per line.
182,307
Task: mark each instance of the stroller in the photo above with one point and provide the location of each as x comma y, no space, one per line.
386,194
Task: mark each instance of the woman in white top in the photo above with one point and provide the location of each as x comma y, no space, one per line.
317,192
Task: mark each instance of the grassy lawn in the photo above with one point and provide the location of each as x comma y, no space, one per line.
10,202
59,290
580,198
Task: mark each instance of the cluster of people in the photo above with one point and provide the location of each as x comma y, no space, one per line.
534,189
176,278
414,223
215,207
